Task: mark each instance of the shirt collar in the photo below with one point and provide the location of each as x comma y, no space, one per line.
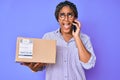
58,33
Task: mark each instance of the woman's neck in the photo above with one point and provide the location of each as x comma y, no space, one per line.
67,36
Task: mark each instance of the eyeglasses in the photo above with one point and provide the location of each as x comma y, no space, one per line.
63,15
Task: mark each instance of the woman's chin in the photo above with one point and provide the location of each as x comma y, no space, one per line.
67,31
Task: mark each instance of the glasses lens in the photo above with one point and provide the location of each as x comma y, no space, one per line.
63,15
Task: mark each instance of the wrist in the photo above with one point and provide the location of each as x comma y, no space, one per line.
77,37
78,40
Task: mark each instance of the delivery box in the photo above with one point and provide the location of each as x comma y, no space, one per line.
35,50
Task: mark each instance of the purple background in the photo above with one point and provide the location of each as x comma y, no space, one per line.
32,18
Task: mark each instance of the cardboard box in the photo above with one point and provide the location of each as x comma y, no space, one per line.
35,50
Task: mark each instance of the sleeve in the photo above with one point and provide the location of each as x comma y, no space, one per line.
92,60
45,36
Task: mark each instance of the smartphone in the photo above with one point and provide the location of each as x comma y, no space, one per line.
74,28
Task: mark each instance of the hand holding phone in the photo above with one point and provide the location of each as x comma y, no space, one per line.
76,27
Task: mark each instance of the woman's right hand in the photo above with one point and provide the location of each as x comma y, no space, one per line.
34,66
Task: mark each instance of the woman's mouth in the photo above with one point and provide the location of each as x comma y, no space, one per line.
66,25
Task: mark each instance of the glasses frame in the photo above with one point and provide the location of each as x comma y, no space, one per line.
69,15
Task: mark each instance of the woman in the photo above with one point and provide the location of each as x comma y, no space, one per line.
74,49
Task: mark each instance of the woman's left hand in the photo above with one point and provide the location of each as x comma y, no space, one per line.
76,34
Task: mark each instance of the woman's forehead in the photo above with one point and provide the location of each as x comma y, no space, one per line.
66,9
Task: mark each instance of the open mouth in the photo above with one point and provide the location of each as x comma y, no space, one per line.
66,25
